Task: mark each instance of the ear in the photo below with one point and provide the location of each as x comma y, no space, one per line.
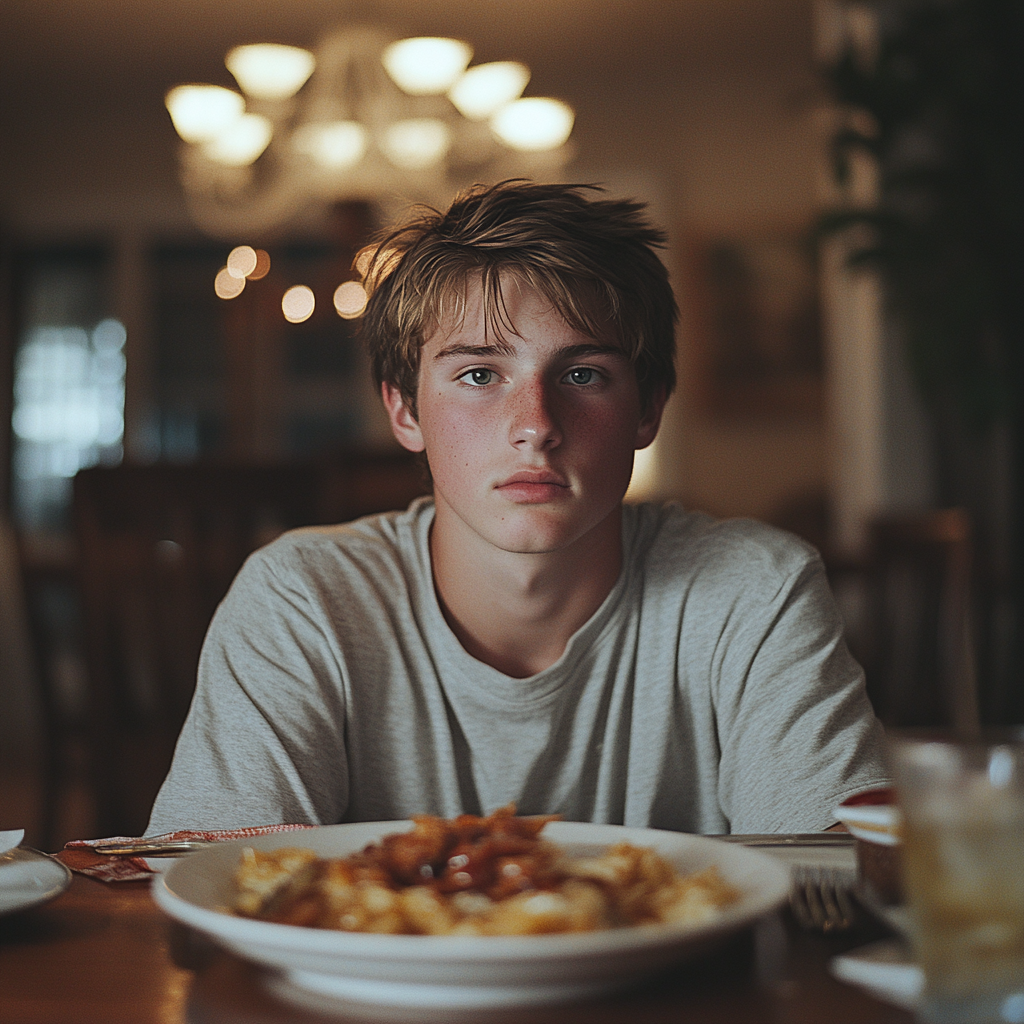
403,424
647,429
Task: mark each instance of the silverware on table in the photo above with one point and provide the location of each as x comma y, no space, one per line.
154,849
822,899
816,839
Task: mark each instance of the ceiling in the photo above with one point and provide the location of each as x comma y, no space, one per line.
82,81
83,50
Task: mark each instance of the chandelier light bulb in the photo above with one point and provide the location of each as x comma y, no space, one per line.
334,144
242,261
202,112
241,143
359,116
417,143
226,285
426,65
350,300
298,304
486,88
270,71
533,125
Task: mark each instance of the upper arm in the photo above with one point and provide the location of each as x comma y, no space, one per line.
264,738
797,733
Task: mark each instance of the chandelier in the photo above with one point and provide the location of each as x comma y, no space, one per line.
362,117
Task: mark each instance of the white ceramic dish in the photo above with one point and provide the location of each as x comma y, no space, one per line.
28,878
9,840
417,970
874,823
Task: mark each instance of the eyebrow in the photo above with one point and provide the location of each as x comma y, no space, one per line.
569,352
476,351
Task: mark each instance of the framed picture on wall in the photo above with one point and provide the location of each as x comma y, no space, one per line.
752,327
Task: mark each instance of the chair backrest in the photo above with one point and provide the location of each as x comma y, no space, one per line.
158,548
920,659
19,687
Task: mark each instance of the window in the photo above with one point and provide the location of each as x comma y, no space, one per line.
69,365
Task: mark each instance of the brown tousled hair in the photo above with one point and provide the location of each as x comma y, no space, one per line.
594,259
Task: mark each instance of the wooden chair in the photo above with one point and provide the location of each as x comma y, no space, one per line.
158,548
49,576
919,656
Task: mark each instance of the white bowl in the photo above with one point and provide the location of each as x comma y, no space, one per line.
428,970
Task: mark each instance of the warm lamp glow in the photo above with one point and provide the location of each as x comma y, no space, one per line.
643,483
350,300
226,285
270,71
241,261
201,112
363,259
417,143
426,65
534,124
360,117
333,144
488,87
241,142
262,266
298,304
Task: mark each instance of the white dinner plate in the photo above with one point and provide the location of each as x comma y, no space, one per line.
477,971
28,877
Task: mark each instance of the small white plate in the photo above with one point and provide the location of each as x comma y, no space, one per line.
10,839
28,878
428,970
886,969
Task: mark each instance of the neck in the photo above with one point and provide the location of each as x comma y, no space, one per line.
516,611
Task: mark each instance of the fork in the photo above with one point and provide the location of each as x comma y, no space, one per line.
822,898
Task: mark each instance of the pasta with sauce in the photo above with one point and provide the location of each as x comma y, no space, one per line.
474,875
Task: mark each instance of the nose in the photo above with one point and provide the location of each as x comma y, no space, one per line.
534,421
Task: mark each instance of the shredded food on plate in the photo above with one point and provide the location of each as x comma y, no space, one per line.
474,875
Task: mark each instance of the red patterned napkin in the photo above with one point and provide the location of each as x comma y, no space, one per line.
80,856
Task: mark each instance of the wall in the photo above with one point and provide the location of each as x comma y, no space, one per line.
715,142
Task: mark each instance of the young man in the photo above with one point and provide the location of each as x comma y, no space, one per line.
524,636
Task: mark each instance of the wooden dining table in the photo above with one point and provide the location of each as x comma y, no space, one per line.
104,953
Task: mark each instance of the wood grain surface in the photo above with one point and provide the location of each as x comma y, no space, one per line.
105,954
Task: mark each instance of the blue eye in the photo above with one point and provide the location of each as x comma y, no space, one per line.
581,375
478,378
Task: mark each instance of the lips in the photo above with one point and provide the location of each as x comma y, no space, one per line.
535,476
534,487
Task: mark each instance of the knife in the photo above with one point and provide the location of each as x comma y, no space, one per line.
154,849
840,839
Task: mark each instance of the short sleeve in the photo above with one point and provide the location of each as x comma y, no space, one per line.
263,742
796,731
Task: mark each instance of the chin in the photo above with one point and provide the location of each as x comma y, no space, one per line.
536,530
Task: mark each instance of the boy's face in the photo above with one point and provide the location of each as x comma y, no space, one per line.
530,439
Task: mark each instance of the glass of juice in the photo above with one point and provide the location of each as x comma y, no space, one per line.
962,806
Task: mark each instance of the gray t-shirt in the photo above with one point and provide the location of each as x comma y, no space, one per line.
712,691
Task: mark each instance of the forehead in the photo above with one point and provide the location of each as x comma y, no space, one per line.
516,308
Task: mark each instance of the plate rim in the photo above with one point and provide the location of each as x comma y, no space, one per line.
30,854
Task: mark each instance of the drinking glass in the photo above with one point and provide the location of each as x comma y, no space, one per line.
962,806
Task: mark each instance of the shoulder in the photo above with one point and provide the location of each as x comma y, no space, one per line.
676,543
378,546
